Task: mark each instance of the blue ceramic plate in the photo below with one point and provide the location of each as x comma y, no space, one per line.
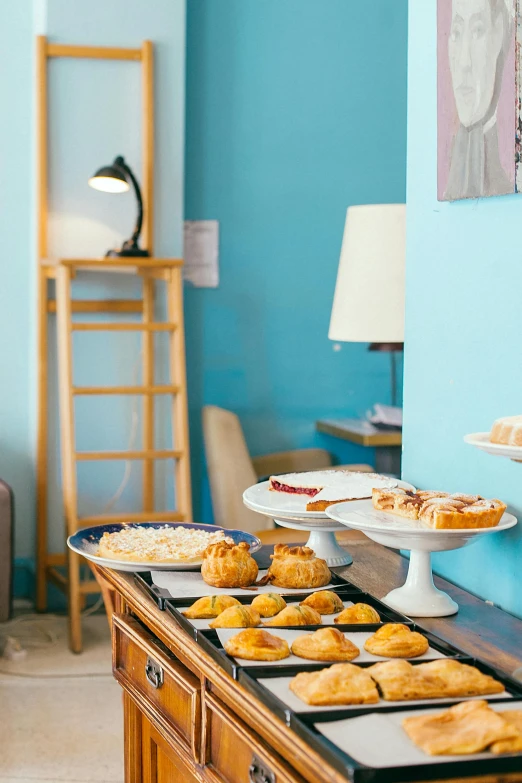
85,542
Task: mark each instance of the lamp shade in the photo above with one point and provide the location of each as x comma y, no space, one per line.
368,303
110,179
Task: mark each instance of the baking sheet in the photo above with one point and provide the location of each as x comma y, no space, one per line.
203,625
356,737
357,637
279,686
190,584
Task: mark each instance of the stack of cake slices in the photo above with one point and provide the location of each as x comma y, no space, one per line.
325,487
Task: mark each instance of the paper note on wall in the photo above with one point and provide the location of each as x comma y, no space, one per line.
201,253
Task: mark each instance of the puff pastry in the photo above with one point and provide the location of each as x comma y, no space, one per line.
513,745
228,565
326,644
296,615
395,640
324,602
268,604
297,567
469,727
342,683
358,613
236,617
254,644
400,680
209,606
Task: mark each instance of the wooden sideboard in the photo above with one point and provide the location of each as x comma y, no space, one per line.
187,720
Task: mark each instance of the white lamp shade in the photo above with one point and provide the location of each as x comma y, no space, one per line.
368,303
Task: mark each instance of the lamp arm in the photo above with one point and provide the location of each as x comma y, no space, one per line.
133,242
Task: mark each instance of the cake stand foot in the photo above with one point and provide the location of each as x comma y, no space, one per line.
325,546
418,597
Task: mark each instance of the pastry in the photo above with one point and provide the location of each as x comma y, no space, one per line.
166,544
468,727
342,683
324,602
358,613
395,640
507,430
440,510
296,615
268,604
209,606
237,617
513,745
254,644
229,565
401,681
326,644
324,487
297,567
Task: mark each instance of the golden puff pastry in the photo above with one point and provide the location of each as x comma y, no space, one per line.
209,606
513,745
254,644
228,565
358,613
296,615
268,604
297,567
324,602
326,644
395,640
468,727
400,680
236,617
342,683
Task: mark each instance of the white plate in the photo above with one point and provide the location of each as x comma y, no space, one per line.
481,441
280,505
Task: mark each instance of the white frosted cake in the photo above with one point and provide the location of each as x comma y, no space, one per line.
325,487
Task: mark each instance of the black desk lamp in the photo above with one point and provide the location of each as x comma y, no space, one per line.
115,179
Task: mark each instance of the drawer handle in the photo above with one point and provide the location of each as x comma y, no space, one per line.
154,673
258,772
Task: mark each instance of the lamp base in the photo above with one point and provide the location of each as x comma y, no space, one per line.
127,252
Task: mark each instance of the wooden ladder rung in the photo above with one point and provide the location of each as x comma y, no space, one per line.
101,306
86,456
80,326
136,516
165,389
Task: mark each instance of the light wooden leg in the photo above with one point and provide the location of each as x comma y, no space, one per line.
148,399
41,448
74,598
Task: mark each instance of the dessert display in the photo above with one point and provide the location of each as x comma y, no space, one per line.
440,510
229,565
209,606
255,644
395,640
168,544
325,487
297,567
324,602
358,613
268,604
468,727
326,644
296,615
401,681
342,683
507,430
236,617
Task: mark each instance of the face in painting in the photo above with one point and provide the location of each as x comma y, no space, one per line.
475,43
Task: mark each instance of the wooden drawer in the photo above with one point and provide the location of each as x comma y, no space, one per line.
235,754
164,689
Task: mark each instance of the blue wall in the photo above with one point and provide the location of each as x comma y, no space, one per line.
295,110
463,326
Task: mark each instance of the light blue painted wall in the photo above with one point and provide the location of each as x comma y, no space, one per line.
295,110
463,326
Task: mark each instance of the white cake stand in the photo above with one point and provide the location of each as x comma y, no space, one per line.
418,597
480,440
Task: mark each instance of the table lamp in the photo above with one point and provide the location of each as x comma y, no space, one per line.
368,304
115,179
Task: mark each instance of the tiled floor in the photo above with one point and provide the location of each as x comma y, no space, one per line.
61,714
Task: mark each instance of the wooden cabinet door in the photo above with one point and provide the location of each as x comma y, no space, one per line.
160,762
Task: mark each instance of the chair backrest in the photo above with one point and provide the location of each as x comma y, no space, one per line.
230,470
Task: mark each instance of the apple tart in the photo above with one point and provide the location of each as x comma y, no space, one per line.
229,565
324,602
395,640
297,567
342,683
326,644
256,644
440,510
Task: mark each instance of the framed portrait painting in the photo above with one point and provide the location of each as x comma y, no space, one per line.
478,101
